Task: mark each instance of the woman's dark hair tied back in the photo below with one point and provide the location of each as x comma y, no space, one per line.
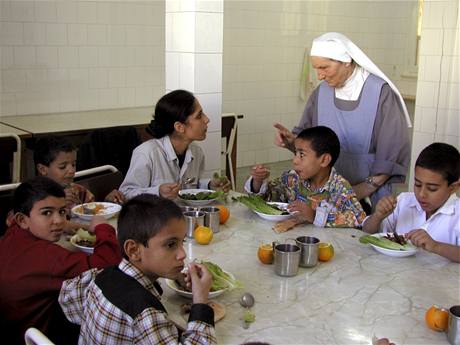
173,107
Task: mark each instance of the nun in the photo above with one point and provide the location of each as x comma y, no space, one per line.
366,111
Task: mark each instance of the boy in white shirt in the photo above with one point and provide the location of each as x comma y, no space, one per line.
429,216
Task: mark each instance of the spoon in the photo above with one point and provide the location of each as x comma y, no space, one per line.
188,180
247,301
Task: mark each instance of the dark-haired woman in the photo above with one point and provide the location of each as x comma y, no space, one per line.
161,164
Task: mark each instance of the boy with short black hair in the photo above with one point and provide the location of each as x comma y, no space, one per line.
313,189
122,304
55,157
429,216
33,266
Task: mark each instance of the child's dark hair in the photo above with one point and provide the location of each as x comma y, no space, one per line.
322,140
441,158
47,148
34,190
143,217
174,106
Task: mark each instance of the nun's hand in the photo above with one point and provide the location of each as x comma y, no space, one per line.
169,190
284,137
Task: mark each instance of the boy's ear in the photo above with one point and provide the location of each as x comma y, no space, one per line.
325,160
179,127
132,250
21,220
42,169
454,187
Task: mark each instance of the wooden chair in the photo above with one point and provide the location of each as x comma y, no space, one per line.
6,203
10,146
99,180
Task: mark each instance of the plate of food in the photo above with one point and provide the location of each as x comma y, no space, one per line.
390,244
84,241
89,210
271,211
221,282
199,197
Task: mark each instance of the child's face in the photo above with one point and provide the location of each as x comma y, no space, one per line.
196,125
306,163
62,169
431,189
46,219
164,256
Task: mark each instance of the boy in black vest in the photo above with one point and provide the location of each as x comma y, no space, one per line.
122,304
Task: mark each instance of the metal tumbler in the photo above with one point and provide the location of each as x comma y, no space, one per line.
211,218
193,219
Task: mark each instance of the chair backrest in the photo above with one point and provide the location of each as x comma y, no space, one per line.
11,150
100,180
112,145
34,337
6,203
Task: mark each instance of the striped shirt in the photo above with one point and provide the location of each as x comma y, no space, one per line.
120,305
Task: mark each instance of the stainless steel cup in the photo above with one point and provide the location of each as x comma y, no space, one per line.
211,218
453,325
193,219
309,250
188,208
287,257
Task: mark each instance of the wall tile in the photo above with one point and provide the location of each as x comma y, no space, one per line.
77,34
88,56
56,34
187,72
22,11
66,11
144,95
13,80
7,59
24,56
117,77
208,73
8,104
45,11
34,33
212,107
116,35
68,56
86,12
107,98
212,160
209,41
97,34
11,33
98,78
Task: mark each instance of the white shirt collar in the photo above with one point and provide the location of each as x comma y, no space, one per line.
351,90
171,154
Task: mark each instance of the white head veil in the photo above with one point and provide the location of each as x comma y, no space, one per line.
338,47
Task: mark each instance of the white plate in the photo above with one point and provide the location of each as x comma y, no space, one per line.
196,202
275,218
394,253
110,210
87,250
212,294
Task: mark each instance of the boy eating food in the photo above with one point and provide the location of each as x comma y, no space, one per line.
313,189
430,215
122,304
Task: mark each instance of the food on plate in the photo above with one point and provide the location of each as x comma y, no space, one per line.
436,318
325,251
265,254
256,203
84,238
201,195
219,309
387,242
224,214
92,208
220,279
202,235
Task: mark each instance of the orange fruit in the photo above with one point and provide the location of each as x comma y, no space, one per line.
265,254
436,318
325,251
224,213
202,234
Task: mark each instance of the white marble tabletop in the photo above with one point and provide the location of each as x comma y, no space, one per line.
358,294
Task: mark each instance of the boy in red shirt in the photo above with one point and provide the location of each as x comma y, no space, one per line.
34,266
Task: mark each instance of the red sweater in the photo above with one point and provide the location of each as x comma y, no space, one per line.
31,274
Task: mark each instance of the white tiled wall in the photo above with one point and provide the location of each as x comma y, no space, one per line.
264,46
59,56
438,91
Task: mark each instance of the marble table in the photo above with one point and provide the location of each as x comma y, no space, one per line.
358,294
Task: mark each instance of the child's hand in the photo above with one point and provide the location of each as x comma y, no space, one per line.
201,281
115,196
169,190
220,183
95,222
385,206
71,197
302,210
420,238
259,173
